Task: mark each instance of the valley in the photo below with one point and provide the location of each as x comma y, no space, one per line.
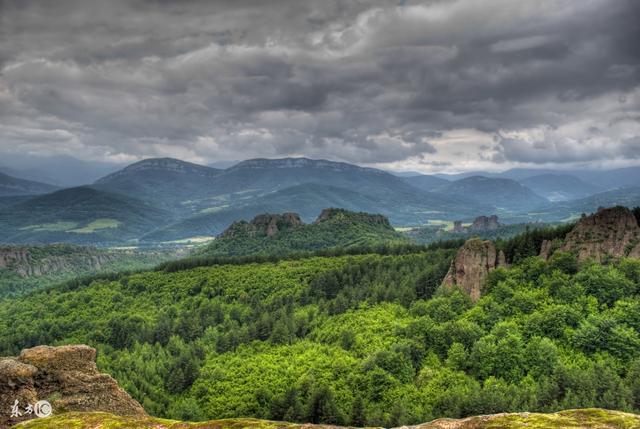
164,200
310,291
364,336
312,214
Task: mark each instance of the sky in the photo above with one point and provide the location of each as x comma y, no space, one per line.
431,86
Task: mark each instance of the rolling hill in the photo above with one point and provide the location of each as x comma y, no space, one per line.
249,187
560,187
604,179
12,186
562,211
78,215
405,207
285,233
426,182
505,194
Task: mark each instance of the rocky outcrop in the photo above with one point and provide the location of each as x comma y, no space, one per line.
11,256
479,224
263,225
473,262
635,252
28,261
485,223
66,377
608,233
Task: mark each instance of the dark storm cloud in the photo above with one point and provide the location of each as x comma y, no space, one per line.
498,81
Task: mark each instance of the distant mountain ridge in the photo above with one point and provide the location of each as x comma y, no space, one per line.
12,186
166,182
560,187
605,179
162,164
166,199
504,194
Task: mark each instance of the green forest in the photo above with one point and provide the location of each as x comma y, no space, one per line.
362,337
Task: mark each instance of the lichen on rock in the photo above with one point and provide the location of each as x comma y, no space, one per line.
65,376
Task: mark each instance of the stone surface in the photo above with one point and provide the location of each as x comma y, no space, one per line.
10,256
265,224
589,418
485,223
65,376
608,233
21,260
473,262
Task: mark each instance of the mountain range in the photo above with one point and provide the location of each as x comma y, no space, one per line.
13,186
165,199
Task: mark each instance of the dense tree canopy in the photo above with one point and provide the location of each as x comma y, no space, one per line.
353,339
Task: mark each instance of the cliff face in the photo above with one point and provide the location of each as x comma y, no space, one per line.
67,377
264,224
12,256
608,233
485,223
20,260
473,262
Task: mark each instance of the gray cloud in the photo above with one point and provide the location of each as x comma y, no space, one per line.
429,84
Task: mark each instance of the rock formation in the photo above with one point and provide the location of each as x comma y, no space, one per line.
21,259
67,377
485,223
474,260
481,223
457,226
608,233
11,256
261,225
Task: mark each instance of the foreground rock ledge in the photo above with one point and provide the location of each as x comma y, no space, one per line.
586,418
65,376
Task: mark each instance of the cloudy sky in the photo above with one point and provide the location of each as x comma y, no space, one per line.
441,85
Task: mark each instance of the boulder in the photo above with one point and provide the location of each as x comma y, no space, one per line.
66,377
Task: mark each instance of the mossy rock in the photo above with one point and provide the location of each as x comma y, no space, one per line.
576,419
99,420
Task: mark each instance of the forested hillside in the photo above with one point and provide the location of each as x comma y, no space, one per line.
272,235
353,339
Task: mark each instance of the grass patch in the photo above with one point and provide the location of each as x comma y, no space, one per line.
57,226
97,224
